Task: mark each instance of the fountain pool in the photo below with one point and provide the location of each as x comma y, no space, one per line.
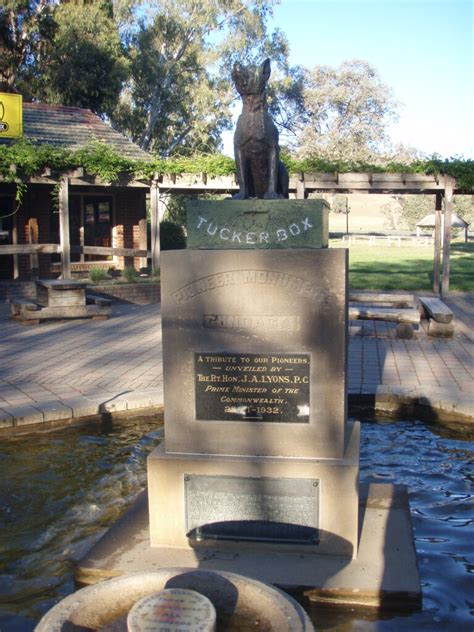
60,491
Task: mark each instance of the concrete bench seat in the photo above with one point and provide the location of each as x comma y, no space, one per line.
383,299
439,316
18,304
390,314
435,308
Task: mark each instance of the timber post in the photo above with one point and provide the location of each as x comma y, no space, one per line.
155,226
32,235
16,261
437,243
64,238
300,188
142,241
448,209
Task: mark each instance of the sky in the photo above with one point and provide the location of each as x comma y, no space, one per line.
422,49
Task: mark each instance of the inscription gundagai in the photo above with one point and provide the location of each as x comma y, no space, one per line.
250,322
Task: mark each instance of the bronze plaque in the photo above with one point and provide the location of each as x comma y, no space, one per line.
252,387
259,509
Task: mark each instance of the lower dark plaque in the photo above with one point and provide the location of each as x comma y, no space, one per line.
252,387
284,510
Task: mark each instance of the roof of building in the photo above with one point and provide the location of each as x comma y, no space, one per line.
429,221
74,128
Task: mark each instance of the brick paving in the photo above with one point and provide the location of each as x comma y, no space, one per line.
60,370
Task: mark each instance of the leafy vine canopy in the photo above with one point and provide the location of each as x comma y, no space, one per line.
22,159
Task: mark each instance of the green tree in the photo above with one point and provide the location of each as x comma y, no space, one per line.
87,66
25,28
348,109
178,94
414,207
411,208
464,207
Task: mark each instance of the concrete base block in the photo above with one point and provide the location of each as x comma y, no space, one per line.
405,331
335,502
442,330
384,574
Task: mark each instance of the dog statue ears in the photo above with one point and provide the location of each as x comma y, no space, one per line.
265,69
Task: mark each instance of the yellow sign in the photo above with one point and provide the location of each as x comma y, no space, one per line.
11,119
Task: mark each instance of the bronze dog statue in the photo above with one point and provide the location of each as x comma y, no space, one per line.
260,173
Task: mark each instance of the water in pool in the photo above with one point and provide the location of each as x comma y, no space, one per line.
60,491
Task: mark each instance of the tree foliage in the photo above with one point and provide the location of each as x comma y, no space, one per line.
347,112
67,53
25,29
407,210
178,93
158,69
86,64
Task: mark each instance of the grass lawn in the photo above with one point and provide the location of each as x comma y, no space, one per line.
410,267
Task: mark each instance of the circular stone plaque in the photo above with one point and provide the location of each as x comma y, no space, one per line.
172,609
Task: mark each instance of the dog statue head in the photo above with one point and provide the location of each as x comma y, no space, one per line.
251,80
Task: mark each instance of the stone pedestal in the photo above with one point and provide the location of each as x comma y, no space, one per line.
257,447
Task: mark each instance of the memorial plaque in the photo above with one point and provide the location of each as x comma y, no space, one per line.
258,509
252,387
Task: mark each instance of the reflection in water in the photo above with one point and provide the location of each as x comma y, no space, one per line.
59,492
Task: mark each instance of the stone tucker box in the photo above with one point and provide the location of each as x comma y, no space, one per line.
256,224
257,446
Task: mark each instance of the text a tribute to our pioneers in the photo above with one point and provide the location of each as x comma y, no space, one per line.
252,387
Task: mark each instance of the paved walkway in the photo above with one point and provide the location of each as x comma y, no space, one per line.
77,368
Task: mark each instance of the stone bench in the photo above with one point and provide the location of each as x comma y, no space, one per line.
439,316
384,299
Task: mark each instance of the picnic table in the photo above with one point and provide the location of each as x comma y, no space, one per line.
59,299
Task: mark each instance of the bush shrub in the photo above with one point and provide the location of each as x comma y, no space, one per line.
97,275
172,236
130,274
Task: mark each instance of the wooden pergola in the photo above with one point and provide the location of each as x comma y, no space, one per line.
300,187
